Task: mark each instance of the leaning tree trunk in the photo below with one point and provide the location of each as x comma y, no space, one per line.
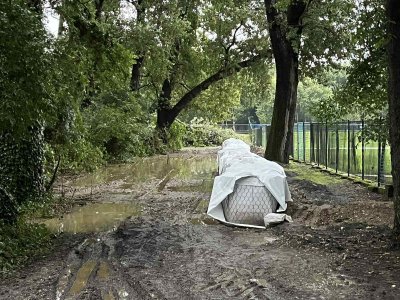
287,66
166,113
393,14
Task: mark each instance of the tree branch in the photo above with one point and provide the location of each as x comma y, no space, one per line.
231,44
53,178
219,75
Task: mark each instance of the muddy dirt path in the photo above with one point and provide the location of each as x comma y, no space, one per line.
144,234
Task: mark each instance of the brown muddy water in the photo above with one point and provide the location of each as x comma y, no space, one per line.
93,217
157,167
119,181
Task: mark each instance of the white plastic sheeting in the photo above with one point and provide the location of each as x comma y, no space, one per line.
273,218
235,161
231,148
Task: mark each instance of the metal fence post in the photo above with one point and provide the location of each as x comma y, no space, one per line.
382,165
298,141
312,151
337,147
326,145
379,157
348,147
362,150
304,142
318,144
291,143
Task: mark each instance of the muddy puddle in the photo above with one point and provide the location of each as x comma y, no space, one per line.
144,169
204,185
174,174
93,217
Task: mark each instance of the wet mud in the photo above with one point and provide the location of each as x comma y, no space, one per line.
144,234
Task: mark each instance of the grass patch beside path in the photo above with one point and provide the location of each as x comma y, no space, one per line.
20,243
27,239
305,172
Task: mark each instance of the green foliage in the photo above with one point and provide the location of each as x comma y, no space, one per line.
20,243
8,206
200,133
176,135
185,42
314,101
24,73
327,35
81,155
257,93
116,125
221,99
25,105
363,93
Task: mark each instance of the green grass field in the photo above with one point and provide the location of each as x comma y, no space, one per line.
302,150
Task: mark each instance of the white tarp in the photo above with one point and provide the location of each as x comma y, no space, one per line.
231,147
236,165
273,218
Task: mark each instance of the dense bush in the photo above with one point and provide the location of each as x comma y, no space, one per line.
200,133
176,135
116,125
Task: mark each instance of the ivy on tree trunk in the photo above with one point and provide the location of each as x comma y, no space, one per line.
21,171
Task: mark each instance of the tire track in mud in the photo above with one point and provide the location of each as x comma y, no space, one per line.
91,272
214,262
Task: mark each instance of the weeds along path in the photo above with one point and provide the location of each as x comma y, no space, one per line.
169,249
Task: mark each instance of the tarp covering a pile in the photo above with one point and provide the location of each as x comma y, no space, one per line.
235,161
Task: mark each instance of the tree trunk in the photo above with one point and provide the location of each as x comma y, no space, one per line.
136,67
287,78
61,22
165,118
393,14
135,76
281,132
21,171
99,8
164,111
